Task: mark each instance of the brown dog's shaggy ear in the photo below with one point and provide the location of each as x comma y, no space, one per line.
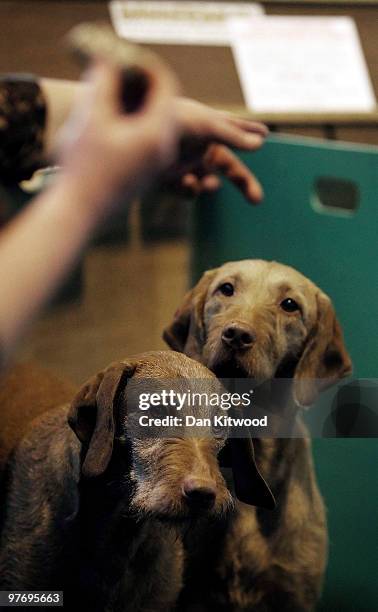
324,359
91,415
185,333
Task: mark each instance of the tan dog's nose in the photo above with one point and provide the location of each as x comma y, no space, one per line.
237,336
199,493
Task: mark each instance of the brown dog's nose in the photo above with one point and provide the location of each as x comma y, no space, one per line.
199,494
238,337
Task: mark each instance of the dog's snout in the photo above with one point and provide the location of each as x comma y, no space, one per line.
237,336
198,493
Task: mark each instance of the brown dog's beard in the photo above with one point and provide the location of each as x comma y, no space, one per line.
160,470
168,506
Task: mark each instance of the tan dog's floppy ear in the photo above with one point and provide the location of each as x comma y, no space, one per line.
185,333
250,486
91,416
324,359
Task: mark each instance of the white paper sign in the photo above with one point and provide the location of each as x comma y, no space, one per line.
301,64
187,23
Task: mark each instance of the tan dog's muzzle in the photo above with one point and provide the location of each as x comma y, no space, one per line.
238,336
269,317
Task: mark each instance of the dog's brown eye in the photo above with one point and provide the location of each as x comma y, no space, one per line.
289,305
227,289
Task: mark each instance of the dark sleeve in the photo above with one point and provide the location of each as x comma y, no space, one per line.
22,127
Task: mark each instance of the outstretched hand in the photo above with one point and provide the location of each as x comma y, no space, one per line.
205,153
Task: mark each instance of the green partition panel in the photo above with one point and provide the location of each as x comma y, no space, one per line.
319,215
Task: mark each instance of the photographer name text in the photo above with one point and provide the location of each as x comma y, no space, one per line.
191,421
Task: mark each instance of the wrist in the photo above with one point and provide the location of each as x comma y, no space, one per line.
77,207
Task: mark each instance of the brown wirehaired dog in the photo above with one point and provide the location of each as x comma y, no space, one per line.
265,320
101,515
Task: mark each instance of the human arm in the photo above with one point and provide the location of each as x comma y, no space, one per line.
208,136
102,152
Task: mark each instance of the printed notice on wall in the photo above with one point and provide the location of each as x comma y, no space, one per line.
301,64
187,23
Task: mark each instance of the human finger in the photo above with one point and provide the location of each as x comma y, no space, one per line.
221,159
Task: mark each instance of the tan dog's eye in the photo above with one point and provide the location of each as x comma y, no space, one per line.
289,305
227,289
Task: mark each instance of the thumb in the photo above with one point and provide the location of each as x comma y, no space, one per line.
105,80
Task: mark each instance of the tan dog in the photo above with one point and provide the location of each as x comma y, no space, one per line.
264,320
